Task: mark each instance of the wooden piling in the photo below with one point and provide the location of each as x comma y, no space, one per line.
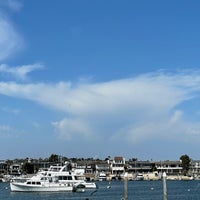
126,186
164,186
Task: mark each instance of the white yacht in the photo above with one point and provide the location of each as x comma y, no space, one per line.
56,178
139,177
102,176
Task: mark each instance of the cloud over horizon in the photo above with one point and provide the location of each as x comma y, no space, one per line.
132,110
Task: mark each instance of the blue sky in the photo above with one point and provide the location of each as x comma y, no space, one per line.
99,78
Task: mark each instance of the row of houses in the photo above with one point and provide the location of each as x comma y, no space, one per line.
116,166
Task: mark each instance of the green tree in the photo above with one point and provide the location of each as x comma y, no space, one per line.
185,161
153,167
28,168
54,158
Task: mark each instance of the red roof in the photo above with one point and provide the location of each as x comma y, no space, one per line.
118,158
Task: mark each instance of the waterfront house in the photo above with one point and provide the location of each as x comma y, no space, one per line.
195,168
15,169
3,167
138,166
117,166
170,167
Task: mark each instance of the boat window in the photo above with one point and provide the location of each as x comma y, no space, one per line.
38,183
28,182
55,169
76,178
44,178
65,178
69,177
33,183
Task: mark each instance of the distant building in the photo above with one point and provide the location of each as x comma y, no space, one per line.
195,167
3,167
117,166
103,167
15,169
170,167
140,166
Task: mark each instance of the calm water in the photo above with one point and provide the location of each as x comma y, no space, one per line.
140,190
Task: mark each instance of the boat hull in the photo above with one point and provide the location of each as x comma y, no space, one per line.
23,187
90,185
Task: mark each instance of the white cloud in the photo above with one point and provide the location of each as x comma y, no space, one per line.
4,128
9,110
10,40
20,72
5,131
69,128
193,130
13,5
176,116
129,109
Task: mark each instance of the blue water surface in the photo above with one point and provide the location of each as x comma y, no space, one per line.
137,190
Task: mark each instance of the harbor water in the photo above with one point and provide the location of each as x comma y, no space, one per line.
137,190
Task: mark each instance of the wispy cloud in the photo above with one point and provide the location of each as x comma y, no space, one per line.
10,40
13,5
20,72
5,131
75,128
10,110
129,109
